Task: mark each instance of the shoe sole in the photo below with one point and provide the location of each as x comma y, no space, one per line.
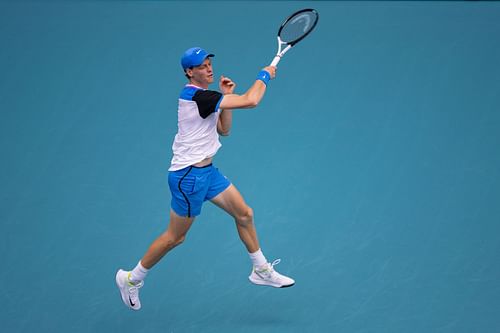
264,283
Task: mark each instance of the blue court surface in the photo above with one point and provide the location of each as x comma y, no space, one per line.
372,166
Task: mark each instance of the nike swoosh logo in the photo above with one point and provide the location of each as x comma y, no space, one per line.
198,52
130,300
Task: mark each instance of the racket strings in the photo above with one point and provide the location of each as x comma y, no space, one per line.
298,26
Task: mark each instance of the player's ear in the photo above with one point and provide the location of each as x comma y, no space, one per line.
189,72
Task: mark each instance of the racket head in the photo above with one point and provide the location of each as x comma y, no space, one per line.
298,25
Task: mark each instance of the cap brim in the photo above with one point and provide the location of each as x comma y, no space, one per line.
210,55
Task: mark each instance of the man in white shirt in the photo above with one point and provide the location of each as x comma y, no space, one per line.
203,115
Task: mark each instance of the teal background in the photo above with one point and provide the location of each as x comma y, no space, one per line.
372,165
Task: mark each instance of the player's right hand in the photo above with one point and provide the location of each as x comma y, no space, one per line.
271,70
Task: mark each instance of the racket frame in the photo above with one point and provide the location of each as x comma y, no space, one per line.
280,52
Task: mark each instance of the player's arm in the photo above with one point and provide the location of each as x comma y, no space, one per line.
226,86
225,122
252,97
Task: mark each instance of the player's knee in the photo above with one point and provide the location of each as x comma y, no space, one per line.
245,216
179,240
174,241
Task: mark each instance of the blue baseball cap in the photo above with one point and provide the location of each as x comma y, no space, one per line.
194,56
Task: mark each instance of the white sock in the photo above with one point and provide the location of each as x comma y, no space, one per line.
258,258
138,273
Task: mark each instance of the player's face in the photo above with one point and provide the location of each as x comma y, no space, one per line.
203,74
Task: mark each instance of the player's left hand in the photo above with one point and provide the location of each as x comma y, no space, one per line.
226,85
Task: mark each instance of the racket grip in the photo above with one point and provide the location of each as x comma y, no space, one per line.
275,61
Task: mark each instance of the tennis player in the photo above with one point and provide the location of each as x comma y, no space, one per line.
203,115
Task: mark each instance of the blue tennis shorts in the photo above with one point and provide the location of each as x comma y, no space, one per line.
192,186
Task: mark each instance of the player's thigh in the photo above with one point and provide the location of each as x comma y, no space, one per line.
231,201
179,225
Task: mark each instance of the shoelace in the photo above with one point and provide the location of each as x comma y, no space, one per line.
134,290
269,269
275,262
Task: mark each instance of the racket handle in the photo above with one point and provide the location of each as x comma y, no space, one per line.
275,61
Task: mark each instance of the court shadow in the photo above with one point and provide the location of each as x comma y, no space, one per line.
251,317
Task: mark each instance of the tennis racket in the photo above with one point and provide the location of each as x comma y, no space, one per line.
294,29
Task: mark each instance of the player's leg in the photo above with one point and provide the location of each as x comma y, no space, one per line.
172,237
231,201
263,273
129,282
186,203
187,187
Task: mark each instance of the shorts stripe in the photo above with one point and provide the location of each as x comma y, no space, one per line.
192,186
183,194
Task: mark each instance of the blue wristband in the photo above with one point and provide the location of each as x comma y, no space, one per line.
264,76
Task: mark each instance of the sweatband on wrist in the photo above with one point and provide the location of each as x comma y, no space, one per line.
264,76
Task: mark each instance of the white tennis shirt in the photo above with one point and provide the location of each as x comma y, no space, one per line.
197,136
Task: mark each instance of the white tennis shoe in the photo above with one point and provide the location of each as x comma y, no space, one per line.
265,275
128,290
